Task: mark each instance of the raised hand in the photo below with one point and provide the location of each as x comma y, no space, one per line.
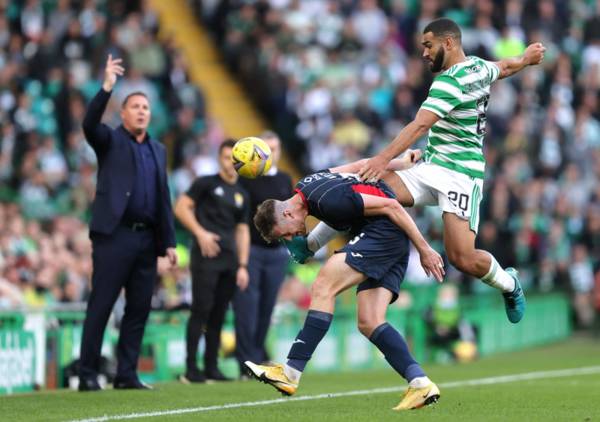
534,53
111,71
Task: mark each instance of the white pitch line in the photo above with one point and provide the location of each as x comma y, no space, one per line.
589,370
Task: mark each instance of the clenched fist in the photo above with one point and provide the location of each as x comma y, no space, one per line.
534,53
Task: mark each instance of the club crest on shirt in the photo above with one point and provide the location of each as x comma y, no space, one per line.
239,199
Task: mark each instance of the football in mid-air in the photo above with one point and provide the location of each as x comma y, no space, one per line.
251,157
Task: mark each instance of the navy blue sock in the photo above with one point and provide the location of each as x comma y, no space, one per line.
395,350
315,327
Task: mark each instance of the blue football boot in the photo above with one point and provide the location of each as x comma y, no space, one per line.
514,302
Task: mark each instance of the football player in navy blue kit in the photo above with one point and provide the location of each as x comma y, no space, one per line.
375,260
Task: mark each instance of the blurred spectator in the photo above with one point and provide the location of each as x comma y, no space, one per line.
582,283
370,24
449,333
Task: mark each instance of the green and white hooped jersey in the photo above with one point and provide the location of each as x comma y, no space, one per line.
459,96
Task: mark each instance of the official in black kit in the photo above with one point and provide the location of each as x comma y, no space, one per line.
267,265
216,211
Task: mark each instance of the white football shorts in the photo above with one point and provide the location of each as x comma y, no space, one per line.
454,192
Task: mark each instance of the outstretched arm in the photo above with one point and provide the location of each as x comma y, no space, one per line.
406,161
431,261
374,167
534,54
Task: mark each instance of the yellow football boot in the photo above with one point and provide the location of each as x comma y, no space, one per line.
415,398
273,375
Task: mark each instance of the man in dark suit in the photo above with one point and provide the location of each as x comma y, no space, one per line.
132,224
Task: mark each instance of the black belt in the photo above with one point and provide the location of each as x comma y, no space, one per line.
137,226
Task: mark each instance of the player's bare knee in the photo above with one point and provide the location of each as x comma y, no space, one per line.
365,328
367,325
461,262
455,260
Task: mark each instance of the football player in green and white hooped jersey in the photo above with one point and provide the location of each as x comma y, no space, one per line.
451,174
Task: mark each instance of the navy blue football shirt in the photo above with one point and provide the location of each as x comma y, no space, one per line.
334,198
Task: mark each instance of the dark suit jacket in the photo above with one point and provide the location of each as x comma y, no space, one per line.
116,173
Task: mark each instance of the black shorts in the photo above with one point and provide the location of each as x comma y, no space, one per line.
380,252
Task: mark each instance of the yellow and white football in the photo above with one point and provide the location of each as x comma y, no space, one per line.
251,157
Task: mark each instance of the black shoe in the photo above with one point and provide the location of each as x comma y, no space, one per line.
192,376
89,384
215,375
134,384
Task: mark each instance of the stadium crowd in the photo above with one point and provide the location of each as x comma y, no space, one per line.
338,79
51,59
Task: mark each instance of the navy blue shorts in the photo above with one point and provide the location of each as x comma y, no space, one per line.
380,252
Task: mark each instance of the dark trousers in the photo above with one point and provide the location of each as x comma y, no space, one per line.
212,290
254,306
123,259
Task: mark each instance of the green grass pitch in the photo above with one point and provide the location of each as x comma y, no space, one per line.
565,397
